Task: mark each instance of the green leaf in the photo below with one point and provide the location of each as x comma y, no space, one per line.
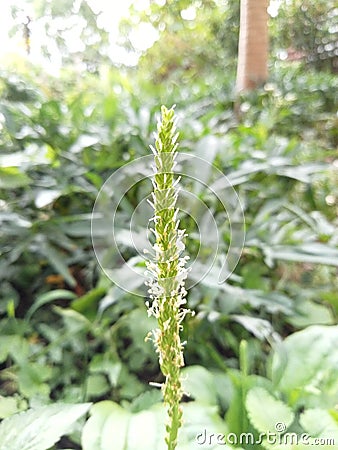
57,260
32,379
106,428
197,419
318,423
74,321
236,416
310,252
11,405
199,383
87,304
112,427
304,366
143,431
97,385
265,412
146,400
16,346
40,428
206,149
260,328
76,229
12,178
105,364
49,297
331,297
304,173
224,388
311,313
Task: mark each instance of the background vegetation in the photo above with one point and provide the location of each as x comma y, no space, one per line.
262,347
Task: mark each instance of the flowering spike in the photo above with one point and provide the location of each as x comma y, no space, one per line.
168,272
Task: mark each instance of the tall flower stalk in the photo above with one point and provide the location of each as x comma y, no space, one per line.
168,273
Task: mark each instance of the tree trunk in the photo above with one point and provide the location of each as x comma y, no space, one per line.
252,66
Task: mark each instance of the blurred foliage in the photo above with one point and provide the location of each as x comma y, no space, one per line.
71,29
310,28
69,335
192,37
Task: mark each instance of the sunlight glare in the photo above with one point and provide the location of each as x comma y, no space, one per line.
109,15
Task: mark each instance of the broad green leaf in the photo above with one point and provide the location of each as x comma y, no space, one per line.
33,378
318,423
104,364
11,405
112,427
143,431
12,178
73,320
40,428
305,365
14,345
224,388
131,386
311,313
139,325
8,406
266,412
106,428
199,383
236,416
198,418
97,385
146,400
